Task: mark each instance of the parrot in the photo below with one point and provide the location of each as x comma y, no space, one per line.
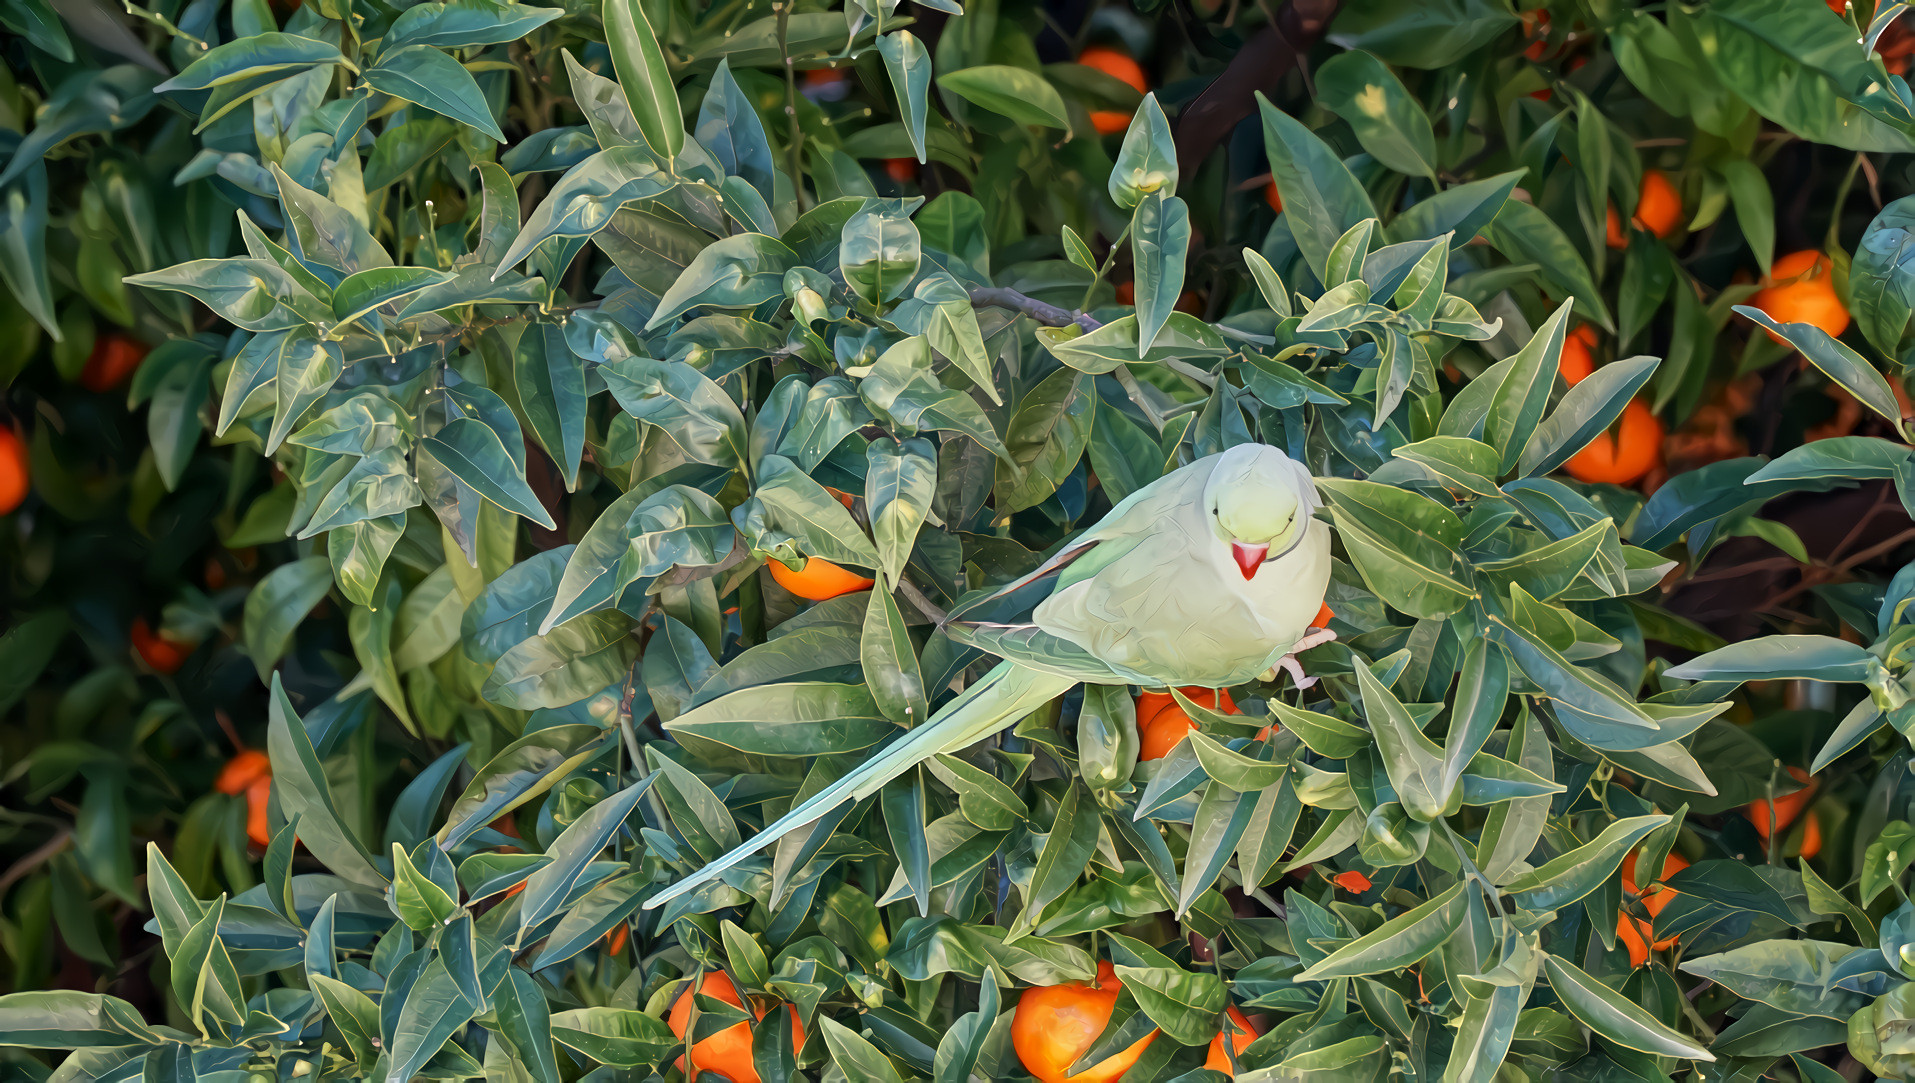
1210,576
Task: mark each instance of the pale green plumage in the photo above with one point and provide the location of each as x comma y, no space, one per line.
1150,595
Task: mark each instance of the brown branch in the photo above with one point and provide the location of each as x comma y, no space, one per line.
1047,314
1269,55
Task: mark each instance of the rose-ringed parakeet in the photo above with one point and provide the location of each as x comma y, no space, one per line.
1209,576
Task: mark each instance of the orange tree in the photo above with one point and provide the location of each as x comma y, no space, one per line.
468,465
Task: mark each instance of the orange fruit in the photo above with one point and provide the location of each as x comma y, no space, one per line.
818,579
1635,932
1536,28
14,477
728,1052
1118,66
1272,196
1576,362
1801,289
1811,835
1241,1035
1352,881
1618,458
1658,210
1126,293
249,772
1055,1024
246,767
1189,302
1840,7
113,359
1770,817
616,939
1149,703
902,170
161,652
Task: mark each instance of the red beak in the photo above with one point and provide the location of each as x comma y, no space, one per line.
1248,557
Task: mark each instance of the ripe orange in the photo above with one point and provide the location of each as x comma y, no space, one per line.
1658,209
902,170
1272,196
1055,1024
1801,289
1165,731
1811,835
1635,932
161,652
616,939
1149,703
1772,816
1536,28
1619,458
728,1052
1188,301
1119,66
14,477
1840,7
1241,1035
113,359
1576,362
1352,881
1126,293
818,579
249,772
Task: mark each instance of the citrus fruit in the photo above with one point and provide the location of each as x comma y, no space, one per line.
1801,289
1618,458
1118,66
1635,932
1272,196
14,477
113,359
1770,816
1242,1034
902,170
728,1052
1352,881
1576,361
818,579
161,652
1055,1024
249,772
1658,210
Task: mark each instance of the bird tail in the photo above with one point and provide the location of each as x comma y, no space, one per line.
1002,696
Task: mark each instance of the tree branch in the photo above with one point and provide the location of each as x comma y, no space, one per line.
1047,314
1261,64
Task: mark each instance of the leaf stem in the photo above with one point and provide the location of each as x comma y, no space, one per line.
1047,314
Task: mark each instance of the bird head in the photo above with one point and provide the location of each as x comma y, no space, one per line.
1260,501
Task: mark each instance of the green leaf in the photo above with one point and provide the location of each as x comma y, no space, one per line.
806,718
644,76
65,1019
1413,761
643,534
1017,93
304,792
1568,877
1609,1014
879,251
353,1013
525,1022
899,487
364,291
461,23
1798,657
857,1058
249,57
471,451
1839,363
1160,240
1321,198
908,63
1046,437
1396,943
614,1037
425,76
277,604
573,852
1525,234
1588,409
1388,122
520,772
1147,161
586,198
684,405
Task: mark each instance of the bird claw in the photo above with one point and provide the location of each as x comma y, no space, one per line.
1289,664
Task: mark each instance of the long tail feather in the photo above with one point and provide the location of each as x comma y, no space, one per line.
1004,695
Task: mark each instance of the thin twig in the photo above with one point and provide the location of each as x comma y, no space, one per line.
34,860
1047,314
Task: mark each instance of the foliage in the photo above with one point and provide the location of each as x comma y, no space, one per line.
503,349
